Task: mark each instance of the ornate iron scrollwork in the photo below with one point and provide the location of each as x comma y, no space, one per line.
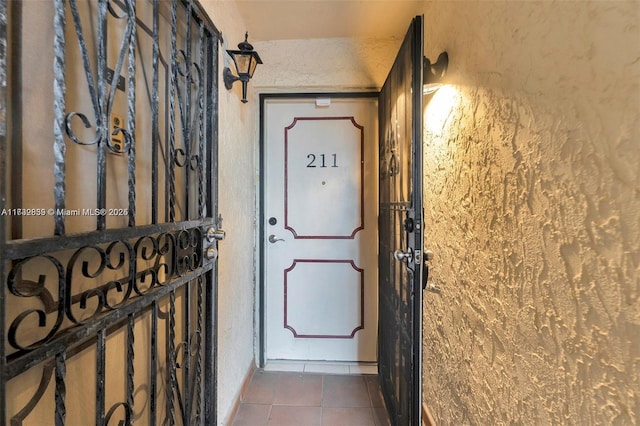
15,284
119,268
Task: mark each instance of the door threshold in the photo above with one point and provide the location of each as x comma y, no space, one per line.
322,367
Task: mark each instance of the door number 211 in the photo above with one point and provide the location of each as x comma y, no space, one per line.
312,160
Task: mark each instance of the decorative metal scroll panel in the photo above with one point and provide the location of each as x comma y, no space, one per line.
107,186
400,224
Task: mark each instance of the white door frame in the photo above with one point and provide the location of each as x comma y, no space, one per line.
261,235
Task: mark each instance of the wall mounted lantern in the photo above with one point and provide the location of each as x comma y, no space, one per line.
245,61
433,73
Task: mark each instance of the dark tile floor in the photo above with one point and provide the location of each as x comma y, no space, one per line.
306,399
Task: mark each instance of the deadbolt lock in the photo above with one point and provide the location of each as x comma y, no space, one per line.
215,234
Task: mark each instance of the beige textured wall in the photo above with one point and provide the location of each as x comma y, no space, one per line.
331,64
237,187
532,192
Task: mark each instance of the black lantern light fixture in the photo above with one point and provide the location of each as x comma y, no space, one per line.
434,73
245,61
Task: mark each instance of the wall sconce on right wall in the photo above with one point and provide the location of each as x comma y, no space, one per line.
434,73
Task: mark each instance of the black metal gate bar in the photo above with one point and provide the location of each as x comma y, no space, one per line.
186,119
61,390
130,358
186,355
59,89
13,102
171,362
198,373
211,70
172,149
131,118
100,376
33,247
192,130
154,363
417,201
4,41
200,136
155,133
153,261
101,117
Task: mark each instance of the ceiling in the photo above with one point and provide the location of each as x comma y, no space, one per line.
304,19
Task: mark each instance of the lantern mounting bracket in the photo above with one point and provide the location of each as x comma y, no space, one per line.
229,78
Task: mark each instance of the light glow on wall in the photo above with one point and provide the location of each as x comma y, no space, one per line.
439,109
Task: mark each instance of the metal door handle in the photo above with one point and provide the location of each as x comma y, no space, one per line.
407,256
273,239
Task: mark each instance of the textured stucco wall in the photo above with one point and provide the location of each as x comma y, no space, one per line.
237,189
532,208
333,64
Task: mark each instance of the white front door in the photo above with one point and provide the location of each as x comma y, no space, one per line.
320,227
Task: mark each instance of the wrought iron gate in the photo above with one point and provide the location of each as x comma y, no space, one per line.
401,234
108,242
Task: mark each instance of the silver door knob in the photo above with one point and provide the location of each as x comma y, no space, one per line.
211,253
403,255
273,239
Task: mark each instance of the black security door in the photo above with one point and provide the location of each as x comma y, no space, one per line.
108,212
401,231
